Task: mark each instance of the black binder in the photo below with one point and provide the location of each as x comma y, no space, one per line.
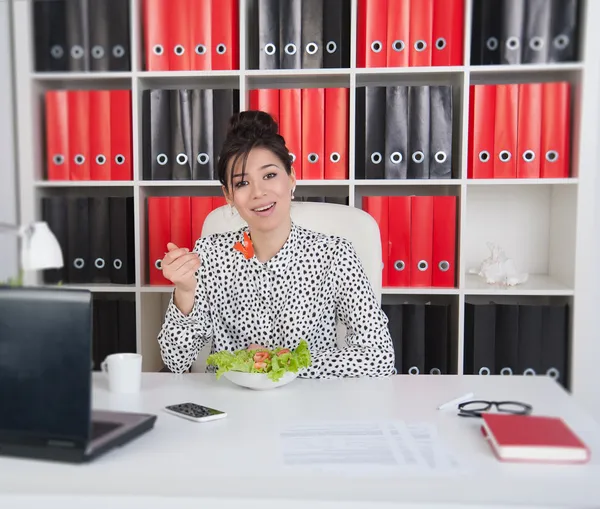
290,34
437,339
486,32
440,142
106,329
480,339
120,50
77,43
530,339
507,339
182,166
202,134
564,31
395,326
268,34
370,139
127,342
99,228
396,132
54,212
50,35
413,339
511,40
312,34
555,351
122,256
157,140
336,34
225,104
418,134
77,259
99,27
536,33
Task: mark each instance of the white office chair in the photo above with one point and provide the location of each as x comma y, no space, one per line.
349,222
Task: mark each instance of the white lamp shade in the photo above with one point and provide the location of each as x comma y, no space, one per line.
40,248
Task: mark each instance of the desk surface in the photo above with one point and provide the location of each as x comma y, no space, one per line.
238,457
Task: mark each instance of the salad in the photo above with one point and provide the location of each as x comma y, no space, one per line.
274,363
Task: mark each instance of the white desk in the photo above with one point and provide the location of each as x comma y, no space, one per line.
234,462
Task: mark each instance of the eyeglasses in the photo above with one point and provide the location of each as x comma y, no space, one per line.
477,407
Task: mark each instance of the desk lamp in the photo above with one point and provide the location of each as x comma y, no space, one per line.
39,249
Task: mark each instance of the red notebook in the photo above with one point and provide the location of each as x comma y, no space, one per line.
528,438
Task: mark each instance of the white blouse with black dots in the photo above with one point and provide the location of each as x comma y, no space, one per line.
311,282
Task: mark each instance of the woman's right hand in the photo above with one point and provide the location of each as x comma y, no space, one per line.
179,266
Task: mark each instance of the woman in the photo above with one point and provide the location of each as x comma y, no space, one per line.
273,282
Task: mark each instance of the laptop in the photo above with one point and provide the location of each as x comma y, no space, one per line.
46,380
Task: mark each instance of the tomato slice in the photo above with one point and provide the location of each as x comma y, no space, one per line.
260,365
261,356
283,351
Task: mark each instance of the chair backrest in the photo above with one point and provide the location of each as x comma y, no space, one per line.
333,219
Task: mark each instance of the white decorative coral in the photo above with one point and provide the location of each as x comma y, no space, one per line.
499,269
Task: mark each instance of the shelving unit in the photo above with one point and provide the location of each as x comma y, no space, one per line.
544,224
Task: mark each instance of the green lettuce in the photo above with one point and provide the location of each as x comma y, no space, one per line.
274,363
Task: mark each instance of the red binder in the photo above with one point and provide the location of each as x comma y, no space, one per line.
399,222
159,235
529,130
179,36
100,134
505,131
447,35
224,36
265,99
398,33
444,241
156,34
181,226
201,206
421,242
200,35
336,133
79,135
421,29
57,135
378,208
290,126
371,33
313,133
555,150
121,145
482,112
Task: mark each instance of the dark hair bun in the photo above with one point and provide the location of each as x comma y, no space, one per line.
252,125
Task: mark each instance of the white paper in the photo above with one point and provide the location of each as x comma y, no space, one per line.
366,446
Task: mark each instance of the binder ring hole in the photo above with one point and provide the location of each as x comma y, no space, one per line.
394,371
97,52
58,159
506,371
100,159
200,49
182,159
78,263
440,43
396,157
335,157
422,265
376,46
484,371
553,373
117,264
270,48
290,49
512,42
99,263
492,44
157,49
435,371
399,265
331,47
536,43
561,41
203,158
418,157
179,50
162,159
79,159
444,265
221,49
551,156
313,158
440,156
376,157
77,52
312,48
118,51
57,51
528,155
293,156
484,156
413,370
420,45
158,264
398,45
504,156
119,159
529,372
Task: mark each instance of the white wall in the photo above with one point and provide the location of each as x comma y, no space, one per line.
8,192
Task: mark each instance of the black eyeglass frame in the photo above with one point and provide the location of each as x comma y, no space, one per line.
462,412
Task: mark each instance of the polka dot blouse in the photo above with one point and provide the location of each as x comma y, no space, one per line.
300,293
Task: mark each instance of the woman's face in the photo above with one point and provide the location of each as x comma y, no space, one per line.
263,196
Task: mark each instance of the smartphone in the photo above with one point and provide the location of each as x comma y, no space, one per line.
195,412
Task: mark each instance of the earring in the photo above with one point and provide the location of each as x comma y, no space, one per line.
292,193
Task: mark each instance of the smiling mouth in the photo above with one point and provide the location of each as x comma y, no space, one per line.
265,208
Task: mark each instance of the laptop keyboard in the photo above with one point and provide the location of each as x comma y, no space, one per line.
100,428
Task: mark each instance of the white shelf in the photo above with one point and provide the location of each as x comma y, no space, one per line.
537,285
423,290
83,183
525,68
156,289
522,182
81,76
406,182
96,288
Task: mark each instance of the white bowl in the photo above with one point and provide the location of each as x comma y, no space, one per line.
258,381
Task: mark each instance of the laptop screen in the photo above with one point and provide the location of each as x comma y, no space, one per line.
45,364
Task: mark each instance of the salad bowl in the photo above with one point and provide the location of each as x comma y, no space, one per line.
258,381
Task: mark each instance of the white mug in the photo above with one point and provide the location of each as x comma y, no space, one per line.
124,371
